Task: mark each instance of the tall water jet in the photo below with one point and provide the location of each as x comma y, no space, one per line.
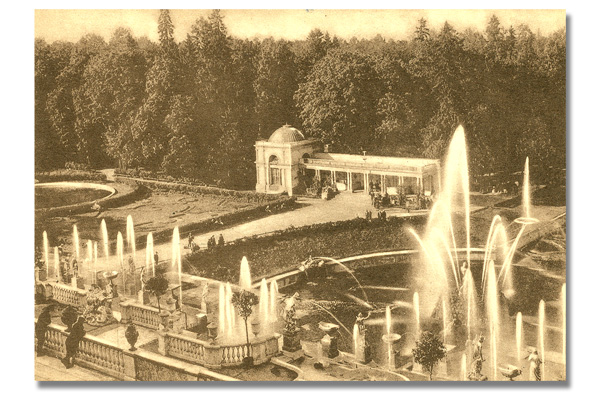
469,296
263,306
95,261
491,301
417,314
519,335
46,250
120,256
541,334
90,259
104,237
245,279
130,235
274,292
150,263
222,306
176,260
463,367
56,263
120,249
388,326
76,242
229,314
526,198
564,324
90,251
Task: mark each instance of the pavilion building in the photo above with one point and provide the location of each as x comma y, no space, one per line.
282,160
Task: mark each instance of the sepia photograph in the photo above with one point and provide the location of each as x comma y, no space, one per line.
300,195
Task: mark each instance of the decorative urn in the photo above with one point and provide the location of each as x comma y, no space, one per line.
131,334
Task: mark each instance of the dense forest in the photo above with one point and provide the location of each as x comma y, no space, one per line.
194,109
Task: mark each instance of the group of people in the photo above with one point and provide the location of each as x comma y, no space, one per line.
212,242
75,330
381,215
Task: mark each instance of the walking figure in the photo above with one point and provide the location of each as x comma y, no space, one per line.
72,342
535,366
221,240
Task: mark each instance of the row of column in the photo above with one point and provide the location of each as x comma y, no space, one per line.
366,177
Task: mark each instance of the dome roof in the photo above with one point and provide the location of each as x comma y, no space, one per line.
286,134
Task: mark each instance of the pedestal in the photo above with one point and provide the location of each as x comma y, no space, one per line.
77,282
361,352
330,340
291,341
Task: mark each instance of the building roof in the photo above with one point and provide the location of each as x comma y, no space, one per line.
368,162
286,134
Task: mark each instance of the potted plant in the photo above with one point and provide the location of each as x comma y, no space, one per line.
244,301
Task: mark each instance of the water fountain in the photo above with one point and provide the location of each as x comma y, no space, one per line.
245,279
76,242
390,339
263,306
150,262
564,324
519,334
56,264
130,235
541,336
46,250
104,233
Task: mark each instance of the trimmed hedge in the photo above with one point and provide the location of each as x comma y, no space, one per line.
69,175
195,189
283,250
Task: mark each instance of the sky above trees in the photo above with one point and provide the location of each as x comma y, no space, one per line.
71,25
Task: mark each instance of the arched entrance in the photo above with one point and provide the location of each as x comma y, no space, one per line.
275,175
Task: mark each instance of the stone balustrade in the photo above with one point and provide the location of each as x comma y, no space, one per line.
140,314
102,356
68,295
216,355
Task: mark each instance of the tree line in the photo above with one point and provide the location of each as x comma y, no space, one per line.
194,109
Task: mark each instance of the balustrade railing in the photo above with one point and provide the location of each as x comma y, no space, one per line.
217,355
139,314
93,352
68,295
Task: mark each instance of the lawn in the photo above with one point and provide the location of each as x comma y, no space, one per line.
159,211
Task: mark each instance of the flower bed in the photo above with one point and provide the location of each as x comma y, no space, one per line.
279,252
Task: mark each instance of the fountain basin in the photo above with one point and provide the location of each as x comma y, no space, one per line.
70,194
526,220
391,338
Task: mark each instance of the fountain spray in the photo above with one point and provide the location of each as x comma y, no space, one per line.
76,241
519,335
46,250
542,321
130,235
104,237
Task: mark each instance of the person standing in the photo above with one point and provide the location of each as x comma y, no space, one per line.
535,366
41,327
221,240
156,258
72,342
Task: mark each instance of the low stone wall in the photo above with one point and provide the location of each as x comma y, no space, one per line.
216,355
100,355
